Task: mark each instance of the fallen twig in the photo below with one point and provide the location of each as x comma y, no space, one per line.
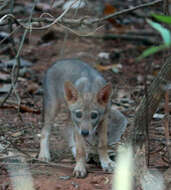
60,165
23,108
144,39
126,11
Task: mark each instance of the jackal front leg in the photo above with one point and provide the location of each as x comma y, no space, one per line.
44,143
106,163
80,156
49,115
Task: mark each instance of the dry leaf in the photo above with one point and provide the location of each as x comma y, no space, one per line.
115,67
109,9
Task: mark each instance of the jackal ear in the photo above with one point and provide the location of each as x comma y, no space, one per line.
104,94
70,92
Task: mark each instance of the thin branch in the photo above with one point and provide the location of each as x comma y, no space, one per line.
29,27
16,66
66,35
81,21
126,11
144,39
4,4
81,34
59,18
11,25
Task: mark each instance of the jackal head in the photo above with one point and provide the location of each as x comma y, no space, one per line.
87,109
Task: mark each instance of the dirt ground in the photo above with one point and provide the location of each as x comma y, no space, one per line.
20,130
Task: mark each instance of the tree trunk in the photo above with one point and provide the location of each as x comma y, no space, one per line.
149,104
143,116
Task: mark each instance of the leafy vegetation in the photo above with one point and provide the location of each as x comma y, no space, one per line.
164,32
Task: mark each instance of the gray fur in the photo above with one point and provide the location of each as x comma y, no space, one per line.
89,94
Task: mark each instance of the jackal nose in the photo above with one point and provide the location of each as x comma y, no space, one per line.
85,133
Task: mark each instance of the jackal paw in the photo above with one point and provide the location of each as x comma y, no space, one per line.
44,157
108,165
80,170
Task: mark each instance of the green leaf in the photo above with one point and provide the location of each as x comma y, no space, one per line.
151,50
162,18
163,31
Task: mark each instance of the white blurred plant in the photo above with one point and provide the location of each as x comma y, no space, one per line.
20,175
123,175
125,172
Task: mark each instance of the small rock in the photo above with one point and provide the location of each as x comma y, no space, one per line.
116,68
77,5
57,3
75,184
158,116
103,55
5,88
64,177
4,36
42,7
5,78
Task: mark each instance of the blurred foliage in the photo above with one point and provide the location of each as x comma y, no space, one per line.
164,32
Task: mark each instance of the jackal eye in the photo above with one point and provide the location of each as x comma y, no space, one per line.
94,115
78,114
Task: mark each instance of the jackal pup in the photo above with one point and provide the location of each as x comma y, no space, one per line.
87,97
